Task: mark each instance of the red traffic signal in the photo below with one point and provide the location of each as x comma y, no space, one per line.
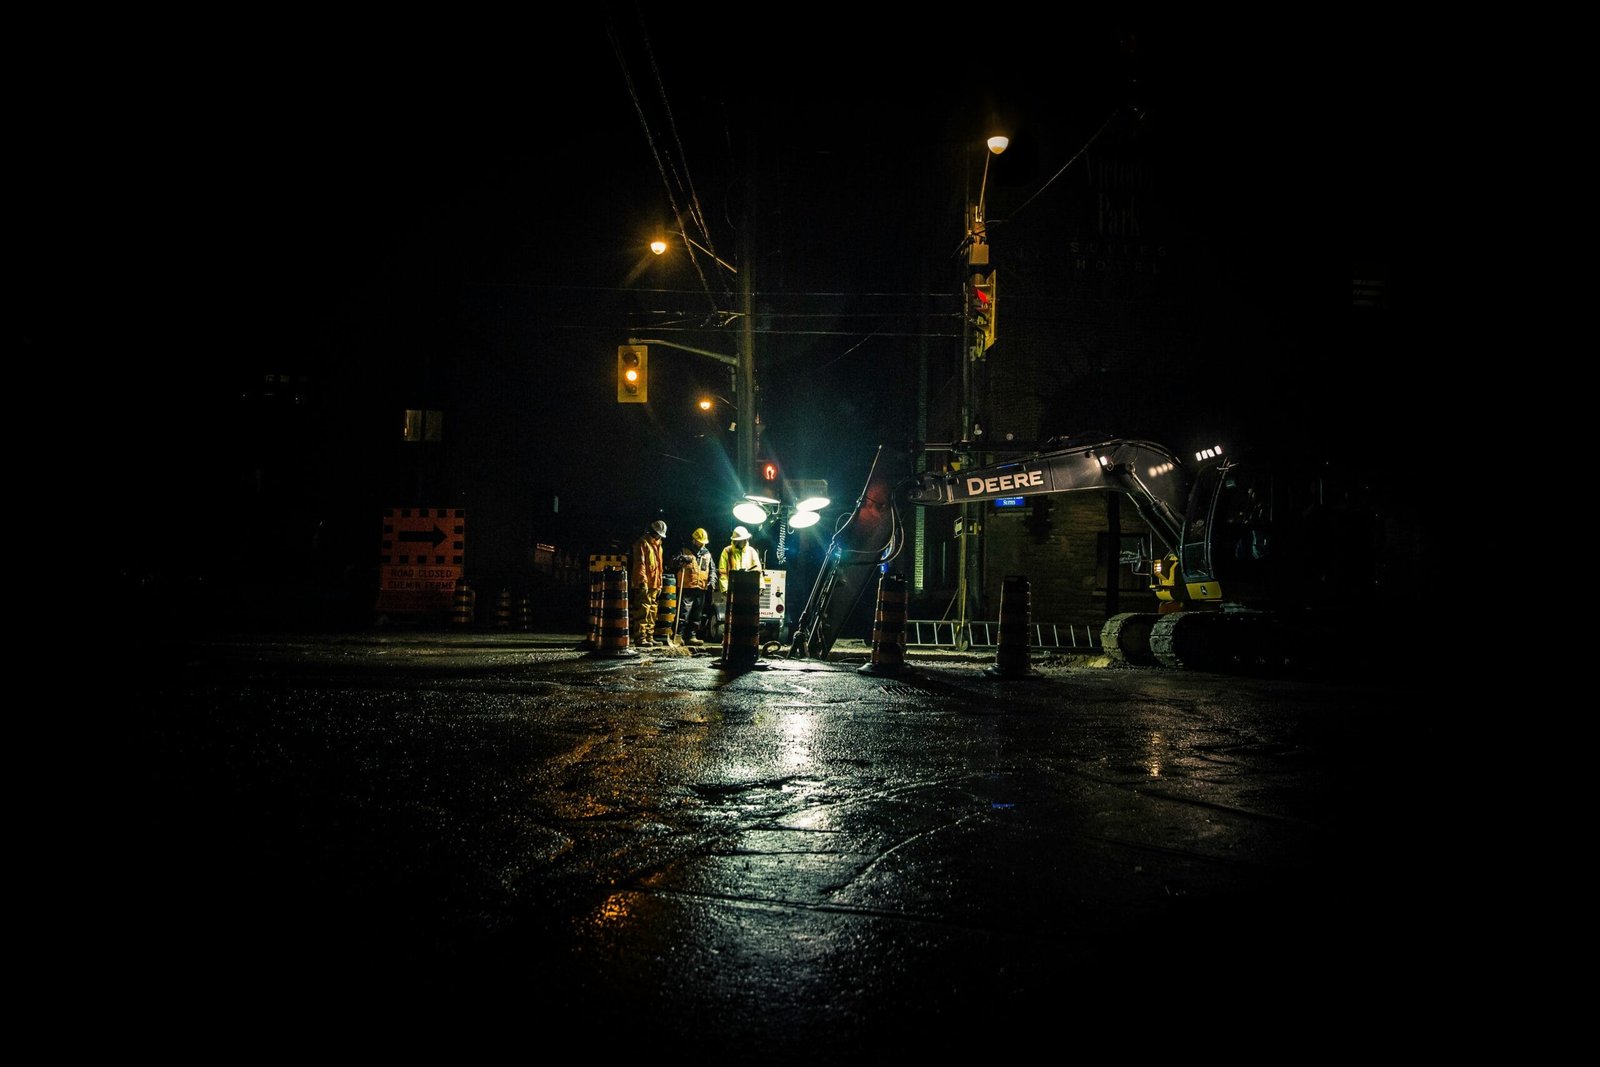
984,292
767,472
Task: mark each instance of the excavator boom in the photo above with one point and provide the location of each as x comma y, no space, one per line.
863,544
1148,474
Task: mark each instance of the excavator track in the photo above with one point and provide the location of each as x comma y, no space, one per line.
1247,642
1125,638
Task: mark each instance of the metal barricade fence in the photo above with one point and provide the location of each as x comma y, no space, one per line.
938,633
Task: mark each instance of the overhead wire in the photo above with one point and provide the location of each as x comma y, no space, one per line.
682,199
1064,167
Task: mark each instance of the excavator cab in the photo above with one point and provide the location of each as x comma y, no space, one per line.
1164,579
1276,537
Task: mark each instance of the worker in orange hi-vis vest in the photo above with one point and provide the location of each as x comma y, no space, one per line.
644,583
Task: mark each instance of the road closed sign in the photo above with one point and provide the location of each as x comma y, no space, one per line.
422,557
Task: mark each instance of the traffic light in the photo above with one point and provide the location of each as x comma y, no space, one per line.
767,474
633,374
983,308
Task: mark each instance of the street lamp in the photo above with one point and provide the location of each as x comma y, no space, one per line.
996,144
977,288
659,246
744,376
708,404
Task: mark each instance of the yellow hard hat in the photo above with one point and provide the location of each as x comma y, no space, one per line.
700,536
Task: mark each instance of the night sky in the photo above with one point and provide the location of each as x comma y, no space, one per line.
455,216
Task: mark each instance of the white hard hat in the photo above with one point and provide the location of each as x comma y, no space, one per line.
658,528
741,534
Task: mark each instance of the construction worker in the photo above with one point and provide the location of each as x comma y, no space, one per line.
694,589
644,583
738,556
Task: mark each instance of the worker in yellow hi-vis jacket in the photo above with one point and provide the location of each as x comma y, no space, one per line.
738,556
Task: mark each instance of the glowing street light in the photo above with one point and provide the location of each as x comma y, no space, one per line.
659,247
744,364
708,406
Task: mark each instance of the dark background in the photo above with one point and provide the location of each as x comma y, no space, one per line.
255,249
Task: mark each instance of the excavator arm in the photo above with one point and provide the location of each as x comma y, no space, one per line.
1146,473
863,544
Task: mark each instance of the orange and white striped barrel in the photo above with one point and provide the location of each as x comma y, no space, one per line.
667,609
741,636
461,615
889,628
614,614
1011,657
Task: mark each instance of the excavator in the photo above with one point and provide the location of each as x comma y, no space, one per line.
1262,567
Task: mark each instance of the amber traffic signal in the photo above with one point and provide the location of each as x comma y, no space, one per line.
633,374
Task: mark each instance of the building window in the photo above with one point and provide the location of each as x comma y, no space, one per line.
424,425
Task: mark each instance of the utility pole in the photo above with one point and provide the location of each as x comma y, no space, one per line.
750,438
967,575
745,394
977,334
747,443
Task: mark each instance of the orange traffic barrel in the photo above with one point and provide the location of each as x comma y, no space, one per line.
667,609
741,636
597,599
524,613
614,614
1011,657
461,615
502,610
889,628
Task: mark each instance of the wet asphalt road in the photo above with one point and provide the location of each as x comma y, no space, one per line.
799,861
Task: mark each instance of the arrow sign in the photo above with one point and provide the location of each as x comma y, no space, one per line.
433,537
